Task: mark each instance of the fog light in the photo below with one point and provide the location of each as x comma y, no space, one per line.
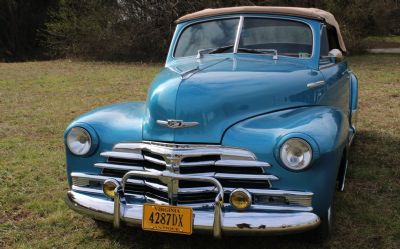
109,187
240,199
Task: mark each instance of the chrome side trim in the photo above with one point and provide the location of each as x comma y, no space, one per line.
341,189
316,84
353,124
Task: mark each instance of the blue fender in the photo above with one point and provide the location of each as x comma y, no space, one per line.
325,128
107,126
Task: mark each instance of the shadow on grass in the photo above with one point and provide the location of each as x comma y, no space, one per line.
371,147
130,237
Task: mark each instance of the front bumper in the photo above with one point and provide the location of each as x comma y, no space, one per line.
218,222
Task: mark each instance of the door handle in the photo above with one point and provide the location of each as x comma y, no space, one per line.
316,84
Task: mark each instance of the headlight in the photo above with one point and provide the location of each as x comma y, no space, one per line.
296,154
79,141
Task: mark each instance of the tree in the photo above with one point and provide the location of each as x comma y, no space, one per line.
19,22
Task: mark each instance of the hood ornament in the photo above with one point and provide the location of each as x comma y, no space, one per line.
174,124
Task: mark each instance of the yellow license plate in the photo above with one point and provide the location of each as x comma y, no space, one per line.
168,219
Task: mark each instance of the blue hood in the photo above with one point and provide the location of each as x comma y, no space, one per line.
218,93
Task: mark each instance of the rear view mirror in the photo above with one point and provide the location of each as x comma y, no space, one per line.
336,55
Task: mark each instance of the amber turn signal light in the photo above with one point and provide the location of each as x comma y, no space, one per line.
109,187
240,199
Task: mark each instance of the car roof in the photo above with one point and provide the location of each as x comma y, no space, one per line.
312,13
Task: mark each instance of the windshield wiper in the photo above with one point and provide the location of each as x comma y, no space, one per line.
201,52
261,51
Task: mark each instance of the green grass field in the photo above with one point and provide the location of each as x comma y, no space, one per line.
39,99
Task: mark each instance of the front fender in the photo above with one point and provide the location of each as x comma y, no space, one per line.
327,128
111,124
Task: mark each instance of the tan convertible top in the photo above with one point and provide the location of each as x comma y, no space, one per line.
312,13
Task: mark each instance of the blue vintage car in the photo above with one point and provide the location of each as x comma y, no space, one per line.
246,129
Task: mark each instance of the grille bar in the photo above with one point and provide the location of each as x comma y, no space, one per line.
117,166
123,155
246,177
185,151
241,163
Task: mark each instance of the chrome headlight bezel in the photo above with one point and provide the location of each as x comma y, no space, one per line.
89,142
308,143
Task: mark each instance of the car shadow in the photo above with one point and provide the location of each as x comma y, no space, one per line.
131,237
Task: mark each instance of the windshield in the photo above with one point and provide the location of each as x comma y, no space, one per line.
290,38
211,34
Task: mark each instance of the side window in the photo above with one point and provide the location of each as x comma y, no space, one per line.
329,41
332,38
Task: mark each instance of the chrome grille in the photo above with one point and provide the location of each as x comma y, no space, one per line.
232,167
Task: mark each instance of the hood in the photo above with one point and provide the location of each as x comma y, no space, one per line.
217,93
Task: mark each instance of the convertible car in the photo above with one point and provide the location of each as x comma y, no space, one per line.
246,130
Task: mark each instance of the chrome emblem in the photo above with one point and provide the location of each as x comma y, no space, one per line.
174,124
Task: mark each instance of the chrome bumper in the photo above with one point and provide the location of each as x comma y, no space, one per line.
218,221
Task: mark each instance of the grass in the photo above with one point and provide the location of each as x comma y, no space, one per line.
39,99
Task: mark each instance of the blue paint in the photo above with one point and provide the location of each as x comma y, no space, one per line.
240,100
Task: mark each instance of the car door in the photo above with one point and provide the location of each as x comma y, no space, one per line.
335,72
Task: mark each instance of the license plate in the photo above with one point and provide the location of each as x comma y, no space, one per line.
168,219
